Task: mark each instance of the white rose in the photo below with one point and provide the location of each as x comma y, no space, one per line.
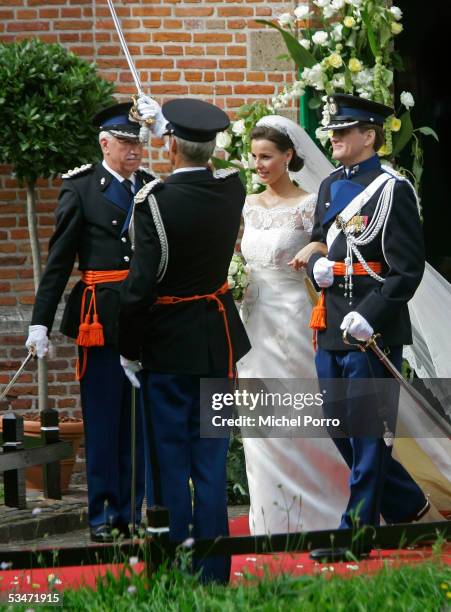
322,136
285,19
298,88
338,82
314,76
238,127
305,43
328,12
233,268
407,99
223,140
302,11
320,37
396,12
256,179
337,32
337,4
321,3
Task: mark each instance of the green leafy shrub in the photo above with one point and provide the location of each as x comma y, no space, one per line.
48,97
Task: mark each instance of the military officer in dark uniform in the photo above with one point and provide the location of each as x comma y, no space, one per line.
368,217
179,320
93,206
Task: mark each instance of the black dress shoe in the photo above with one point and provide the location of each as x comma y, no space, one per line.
332,555
101,533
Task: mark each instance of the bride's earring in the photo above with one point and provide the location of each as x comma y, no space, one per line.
287,163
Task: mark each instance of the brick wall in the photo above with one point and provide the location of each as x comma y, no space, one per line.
181,48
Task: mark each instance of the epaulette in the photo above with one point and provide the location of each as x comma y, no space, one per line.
339,169
394,173
77,171
145,171
223,173
145,191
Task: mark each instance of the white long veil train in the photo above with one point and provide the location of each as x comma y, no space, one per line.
427,459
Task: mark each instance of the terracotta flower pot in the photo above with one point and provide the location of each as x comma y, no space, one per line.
70,432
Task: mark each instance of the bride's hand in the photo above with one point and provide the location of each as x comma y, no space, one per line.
300,260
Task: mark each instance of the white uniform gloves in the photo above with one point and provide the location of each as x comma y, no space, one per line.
323,272
131,369
148,108
38,340
357,326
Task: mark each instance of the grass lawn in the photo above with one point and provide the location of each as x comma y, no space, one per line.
423,588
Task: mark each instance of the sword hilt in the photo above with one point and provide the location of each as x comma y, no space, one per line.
363,346
134,113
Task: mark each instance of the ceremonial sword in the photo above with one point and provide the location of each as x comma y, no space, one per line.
23,365
442,424
128,57
144,133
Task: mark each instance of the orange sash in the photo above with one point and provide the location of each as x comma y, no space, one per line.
318,319
91,333
172,299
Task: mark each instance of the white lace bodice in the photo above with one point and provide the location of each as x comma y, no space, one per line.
272,236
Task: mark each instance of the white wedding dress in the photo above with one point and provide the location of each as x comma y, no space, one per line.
294,483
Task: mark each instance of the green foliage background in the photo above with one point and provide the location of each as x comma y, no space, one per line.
48,97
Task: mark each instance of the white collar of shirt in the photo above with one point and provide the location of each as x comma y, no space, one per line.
189,169
116,175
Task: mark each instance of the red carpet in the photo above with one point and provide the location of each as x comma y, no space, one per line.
256,565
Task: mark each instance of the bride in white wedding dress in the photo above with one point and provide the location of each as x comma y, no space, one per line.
294,483
299,483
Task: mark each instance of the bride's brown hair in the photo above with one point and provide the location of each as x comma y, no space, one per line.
282,142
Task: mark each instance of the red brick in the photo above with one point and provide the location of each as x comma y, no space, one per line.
202,89
152,24
196,63
232,63
254,89
26,299
236,50
194,12
194,76
171,76
23,26
25,14
48,13
152,50
233,11
71,12
213,37
8,247
155,63
236,24
137,37
172,24
7,273
216,50
151,11
194,50
170,89
7,301
263,12
173,50
171,37
72,24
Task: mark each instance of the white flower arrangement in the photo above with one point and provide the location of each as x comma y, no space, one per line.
350,50
237,277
